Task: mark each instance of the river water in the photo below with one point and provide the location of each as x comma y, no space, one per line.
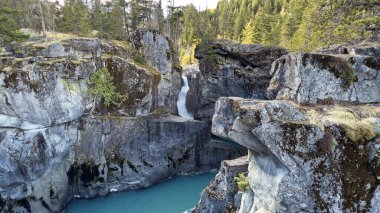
173,196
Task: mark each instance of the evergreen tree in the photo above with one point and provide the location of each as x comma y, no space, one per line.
293,11
9,29
242,14
259,26
248,35
114,25
97,15
158,17
189,26
75,17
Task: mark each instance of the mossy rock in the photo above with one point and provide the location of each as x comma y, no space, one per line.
358,123
340,67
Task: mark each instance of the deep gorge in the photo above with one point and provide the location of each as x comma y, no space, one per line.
303,145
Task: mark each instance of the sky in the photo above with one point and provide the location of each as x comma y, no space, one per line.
202,4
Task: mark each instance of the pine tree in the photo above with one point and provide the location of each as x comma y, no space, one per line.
135,14
158,17
248,34
75,17
293,12
9,29
189,26
259,26
240,20
114,25
97,15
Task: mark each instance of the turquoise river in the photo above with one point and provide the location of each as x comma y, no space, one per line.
173,196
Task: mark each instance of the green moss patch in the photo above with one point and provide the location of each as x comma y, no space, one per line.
357,122
52,62
355,127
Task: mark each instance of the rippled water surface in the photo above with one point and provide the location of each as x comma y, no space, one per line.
174,196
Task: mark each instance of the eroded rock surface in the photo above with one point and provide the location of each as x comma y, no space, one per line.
305,158
311,78
48,86
159,53
229,69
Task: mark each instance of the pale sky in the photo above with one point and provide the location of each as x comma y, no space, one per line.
202,4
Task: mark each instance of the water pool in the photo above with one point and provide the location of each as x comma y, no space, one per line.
173,196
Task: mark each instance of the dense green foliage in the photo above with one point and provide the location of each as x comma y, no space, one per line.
298,24
112,19
103,88
242,182
9,29
293,24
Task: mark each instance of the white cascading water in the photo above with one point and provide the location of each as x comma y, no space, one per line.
181,104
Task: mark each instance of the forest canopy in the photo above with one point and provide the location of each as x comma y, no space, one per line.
298,25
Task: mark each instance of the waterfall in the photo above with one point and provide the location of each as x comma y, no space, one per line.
181,104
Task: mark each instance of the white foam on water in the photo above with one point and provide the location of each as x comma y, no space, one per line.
181,104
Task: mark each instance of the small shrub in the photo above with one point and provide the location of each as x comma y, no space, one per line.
139,59
102,87
242,182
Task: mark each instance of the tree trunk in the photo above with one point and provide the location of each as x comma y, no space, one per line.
126,19
42,17
375,34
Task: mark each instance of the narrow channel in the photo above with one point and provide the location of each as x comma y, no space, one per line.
173,196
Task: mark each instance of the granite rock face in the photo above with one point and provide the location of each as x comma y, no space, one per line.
159,54
311,78
305,158
229,69
33,168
